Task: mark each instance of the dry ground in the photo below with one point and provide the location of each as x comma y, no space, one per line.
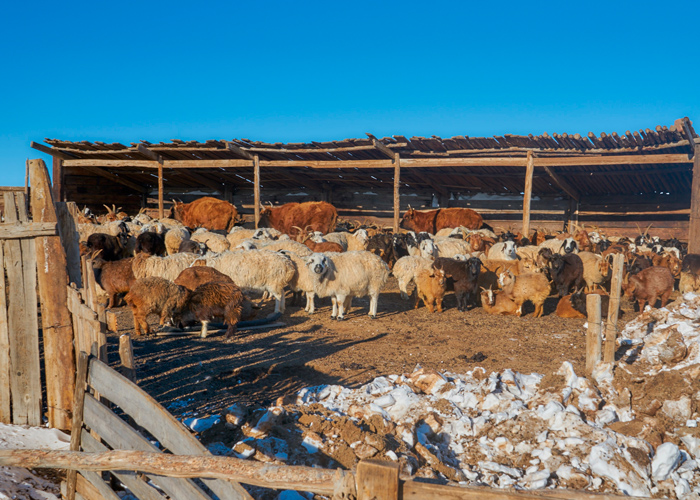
188,373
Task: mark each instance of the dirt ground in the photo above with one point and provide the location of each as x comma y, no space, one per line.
188,374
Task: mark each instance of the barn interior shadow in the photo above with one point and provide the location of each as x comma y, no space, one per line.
188,373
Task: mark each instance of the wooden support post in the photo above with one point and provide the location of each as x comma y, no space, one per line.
55,317
126,355
613,308
256,188
593,338
694,229
5,374
571,216
65,212
527,194
57,178
397,195
161,212
77,425
377,480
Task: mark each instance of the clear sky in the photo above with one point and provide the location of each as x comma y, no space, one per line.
301,71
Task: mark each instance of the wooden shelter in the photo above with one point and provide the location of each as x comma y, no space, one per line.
613,181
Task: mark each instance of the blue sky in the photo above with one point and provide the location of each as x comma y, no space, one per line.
303,71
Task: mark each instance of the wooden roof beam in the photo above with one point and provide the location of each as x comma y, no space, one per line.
115,178
51,151
152,155
383,148
564,185
240,151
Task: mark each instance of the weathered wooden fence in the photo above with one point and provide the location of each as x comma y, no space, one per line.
34,280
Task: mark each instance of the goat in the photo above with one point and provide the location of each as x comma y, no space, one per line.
496,302
150,244
533,287
649,285
430,286
566,271
406,269
465,276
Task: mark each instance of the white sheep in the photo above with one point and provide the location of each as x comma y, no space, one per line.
153,227
406,269
174,237
428,249
449,247
257,270
289,245
504,250
302,281
563,247
215,242
350,242
343,276
169,267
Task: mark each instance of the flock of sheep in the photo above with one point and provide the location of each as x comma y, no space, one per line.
183,275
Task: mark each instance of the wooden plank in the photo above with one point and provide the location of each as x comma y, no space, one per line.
69,239
612,159
126,355
138,486
397,194
593,336
98,490
239,151
613,309
22,327
161,212
147,413
256,189
90,163
377,480
77,420
120,436
27,230
694,228
58,191
57,327
563,184
5,408
527,193
50,151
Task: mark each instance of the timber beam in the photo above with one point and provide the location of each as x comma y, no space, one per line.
563,184
240,151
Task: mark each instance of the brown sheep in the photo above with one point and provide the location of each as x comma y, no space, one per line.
534,287
649,285
430,286
194,276
155,295
324,246
496,302
116,277
216,300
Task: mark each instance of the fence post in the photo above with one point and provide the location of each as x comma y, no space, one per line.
593,338
613,308
377,480
126,355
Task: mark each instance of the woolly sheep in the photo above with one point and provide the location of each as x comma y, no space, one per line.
302,281
406,269
449,247
215,242
504,250
288,245
257,270
343,276
163,267
154,295
428,249
174,237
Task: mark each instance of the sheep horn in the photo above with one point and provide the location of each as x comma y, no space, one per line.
646,232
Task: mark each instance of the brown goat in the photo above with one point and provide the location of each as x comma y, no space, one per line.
496,302
324,246
430,286
649,285
566,310
116,277
155,295
670,261
534,287
217,300
465,275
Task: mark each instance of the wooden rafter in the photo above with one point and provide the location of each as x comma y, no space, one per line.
564,185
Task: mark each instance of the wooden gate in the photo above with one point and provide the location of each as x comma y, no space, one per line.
33,266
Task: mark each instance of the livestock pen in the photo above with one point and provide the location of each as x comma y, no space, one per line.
612,181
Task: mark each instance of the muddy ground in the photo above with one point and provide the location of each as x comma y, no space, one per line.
188,374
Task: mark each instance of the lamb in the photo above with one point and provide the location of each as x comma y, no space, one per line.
406,269
649,285
216,299
533,287
496,302
215,242
115,277
504,250
174,239
430,286
464,274
257,270
150,244
595,270
566,271
343,276
155,295
163,267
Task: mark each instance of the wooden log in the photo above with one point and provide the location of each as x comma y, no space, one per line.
126,355
22,320
694,227
397,194
57,178
561,182
112,322
613,308
77,420
593,337
527,193
377,480
256,188
161,212
69,239
5,409
56,319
